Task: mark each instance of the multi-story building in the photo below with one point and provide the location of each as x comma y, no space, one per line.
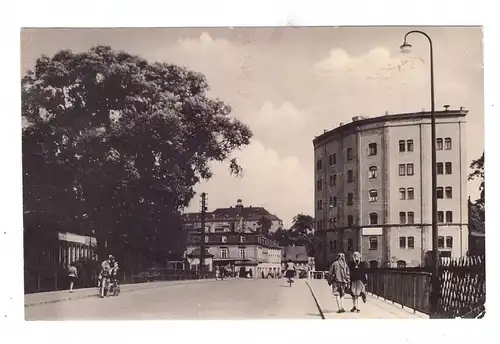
236,250
373,188
237,218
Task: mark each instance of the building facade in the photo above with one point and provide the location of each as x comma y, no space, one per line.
373,188
237,218
75,247
299,256
236,250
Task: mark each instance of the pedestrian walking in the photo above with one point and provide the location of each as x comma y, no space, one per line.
357,269
73,275
338,279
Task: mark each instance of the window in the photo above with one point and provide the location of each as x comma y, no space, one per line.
372,174
449,216
319,184
319,164
330,160
448,191
448,168
334,201
243,253
242,238
439,144
411,217
373,218
402,169
402,194
440,192
372,149
349,244
349,176
439,168
409,144
334,159
411,242
373,243
440,242
447,143
223,253
449,242
206,239
402,146
331,246
349,153
402,217
402,242
440,216
350,197
319,205
333,179
409,169
350,220
224,239
411,194
373,196
401,264
335,245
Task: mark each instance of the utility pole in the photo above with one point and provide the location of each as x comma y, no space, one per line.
202,246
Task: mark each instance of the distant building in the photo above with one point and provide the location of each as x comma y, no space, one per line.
235,250
237,218
373,188
75,247
299,256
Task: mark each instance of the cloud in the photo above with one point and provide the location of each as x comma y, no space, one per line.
280,184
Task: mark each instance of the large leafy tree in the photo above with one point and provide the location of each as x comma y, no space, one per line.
303,224
115,144
265,225
476,208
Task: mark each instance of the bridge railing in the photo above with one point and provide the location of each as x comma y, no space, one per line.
462,280
409,289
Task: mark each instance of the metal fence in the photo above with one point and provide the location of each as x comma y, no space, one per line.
41,280
463,287
409,289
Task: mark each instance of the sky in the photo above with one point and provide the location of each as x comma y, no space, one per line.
290,84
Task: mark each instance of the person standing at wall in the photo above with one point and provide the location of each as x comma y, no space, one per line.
357,270
73,275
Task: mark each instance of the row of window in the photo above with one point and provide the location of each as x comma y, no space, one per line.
447,168
224,253
404,218
404,146
224,238
406,169
404,243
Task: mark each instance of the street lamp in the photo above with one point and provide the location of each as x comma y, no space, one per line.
435,292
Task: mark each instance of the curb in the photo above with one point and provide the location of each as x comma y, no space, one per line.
78,297
316,301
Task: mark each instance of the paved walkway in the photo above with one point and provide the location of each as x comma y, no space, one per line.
374,308
64,295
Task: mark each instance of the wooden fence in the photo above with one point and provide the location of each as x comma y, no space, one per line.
463,287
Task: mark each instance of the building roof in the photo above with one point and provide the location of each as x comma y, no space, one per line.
239,211
196,253
360,121
295,253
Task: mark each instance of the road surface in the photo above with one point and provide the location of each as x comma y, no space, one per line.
215,300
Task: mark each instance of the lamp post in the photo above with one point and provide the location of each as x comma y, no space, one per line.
435,291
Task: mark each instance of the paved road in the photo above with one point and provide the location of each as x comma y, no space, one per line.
228,299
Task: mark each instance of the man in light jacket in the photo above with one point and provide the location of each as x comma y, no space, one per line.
338,278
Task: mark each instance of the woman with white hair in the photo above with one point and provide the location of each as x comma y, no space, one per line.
358,280
338,278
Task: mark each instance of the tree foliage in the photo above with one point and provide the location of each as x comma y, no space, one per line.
299,234
476,209
116,144
303,224
265,225
477,167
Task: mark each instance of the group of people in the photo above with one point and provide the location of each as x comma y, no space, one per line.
109,269
348,278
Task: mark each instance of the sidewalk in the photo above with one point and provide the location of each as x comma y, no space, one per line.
64,295
373,308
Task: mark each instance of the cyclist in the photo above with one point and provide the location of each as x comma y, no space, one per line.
290,270
114,272
106,270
